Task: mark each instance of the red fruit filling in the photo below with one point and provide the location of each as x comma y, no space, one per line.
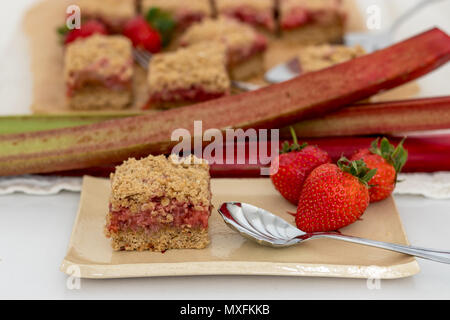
175,214
194,94
252,16
184,18
301,16
237,55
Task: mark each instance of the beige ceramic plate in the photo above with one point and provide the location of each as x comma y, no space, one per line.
90,255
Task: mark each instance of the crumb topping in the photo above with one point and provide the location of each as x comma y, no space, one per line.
108,9
230,32
223,5
313,58
175,6
136,182
202,65
104,56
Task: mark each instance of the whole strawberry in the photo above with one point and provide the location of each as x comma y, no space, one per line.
142,35
334,196
290,169
86,30
388,160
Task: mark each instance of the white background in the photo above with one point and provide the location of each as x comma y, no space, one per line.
35,230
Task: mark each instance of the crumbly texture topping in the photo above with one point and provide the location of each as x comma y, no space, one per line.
178,6
136,182
263,5
313,58
202,65
230,32
104,56
108,9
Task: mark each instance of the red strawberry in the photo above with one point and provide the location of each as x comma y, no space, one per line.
388,160
139,31
87,29
334,196
294,164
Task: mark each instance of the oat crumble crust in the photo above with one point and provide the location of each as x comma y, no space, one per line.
202,65
106,56
164,239
176,6
136,182
313,58
232,33
108,9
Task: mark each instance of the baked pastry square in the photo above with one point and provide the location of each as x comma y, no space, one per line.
188,75
245,46
159,203
98,73
113,13
311,21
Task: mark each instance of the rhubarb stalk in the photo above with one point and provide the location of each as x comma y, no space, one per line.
378,118
310,95
425,154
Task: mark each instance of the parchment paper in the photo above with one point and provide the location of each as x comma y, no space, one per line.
42,20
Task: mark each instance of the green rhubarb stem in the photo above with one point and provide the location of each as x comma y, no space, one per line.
30,123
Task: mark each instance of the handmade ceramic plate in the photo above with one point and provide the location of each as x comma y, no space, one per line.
90,256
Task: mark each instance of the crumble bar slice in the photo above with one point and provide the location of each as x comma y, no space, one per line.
159,203
184,12
245,47
113,13
98,73
189,75
313,58
258,13
311,21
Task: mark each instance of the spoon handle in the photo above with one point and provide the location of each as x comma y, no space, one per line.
408,14
430,254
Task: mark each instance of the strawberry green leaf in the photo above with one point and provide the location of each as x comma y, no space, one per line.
396,156
163,22
357,168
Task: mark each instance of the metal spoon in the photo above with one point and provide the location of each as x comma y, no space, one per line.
270,230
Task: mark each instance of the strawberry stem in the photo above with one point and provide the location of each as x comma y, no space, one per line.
396,156
286,147
357,168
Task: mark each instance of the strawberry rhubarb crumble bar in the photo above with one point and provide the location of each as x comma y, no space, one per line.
258,13
245,46
184,13
311,21
98,73
159,203
113,13
188,75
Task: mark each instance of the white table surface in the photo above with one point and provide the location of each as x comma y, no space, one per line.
35,230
